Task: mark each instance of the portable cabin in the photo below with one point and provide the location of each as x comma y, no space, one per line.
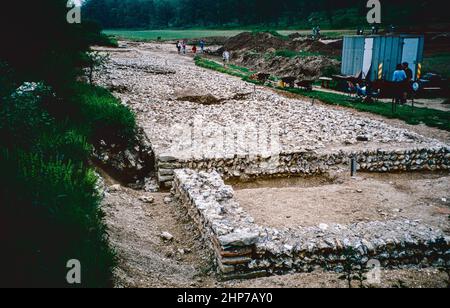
376,57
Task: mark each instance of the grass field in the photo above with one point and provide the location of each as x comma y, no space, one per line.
150,35
165,35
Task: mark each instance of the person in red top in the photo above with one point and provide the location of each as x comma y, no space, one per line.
194,49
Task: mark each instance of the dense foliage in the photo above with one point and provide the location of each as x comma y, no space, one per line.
49,209
49,121
39,43
274,13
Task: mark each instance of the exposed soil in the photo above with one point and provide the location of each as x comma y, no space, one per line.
254,51
146,260
369,197
423,278
262,42
196,96
281,182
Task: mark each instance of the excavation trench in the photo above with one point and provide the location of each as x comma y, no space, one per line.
210,99
310,201
131,166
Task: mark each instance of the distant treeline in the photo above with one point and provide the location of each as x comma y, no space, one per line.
156,14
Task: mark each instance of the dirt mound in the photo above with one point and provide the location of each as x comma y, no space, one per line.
311,67
256,50
314,46
302,68
258,42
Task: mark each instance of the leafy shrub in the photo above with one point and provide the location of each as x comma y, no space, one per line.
6,80
49,214
49,206
22,119
107,118
66,146
99,113
46,48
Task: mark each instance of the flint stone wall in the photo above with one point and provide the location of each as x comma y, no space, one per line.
244,249
309,163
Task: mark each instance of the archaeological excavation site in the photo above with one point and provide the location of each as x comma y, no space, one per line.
271,184
225,151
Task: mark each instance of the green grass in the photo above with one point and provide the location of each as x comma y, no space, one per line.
49,205
152,35
232,70
241,69
438,63
108,119
429,117
168,35
413,116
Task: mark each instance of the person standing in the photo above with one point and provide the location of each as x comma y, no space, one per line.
409,81
375,29
194,49
408,71
184,47
202,46
399,79
179,47
399,74
226,58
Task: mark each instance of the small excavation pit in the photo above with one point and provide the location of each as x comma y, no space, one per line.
302,181
210,99
306,202
245,248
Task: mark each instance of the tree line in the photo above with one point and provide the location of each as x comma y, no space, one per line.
156,14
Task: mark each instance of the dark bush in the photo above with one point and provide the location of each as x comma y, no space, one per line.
49,214
49,205
106,117
22,120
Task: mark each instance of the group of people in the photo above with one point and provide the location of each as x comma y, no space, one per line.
182,47
374,30
400,88
403,77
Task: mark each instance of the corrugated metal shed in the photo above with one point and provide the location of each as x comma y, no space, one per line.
376,57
